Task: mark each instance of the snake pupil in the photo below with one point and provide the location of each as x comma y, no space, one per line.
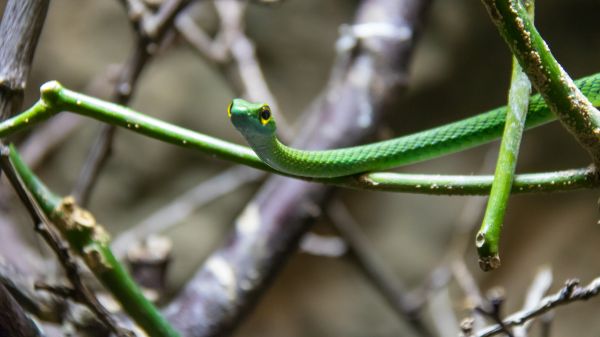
265,114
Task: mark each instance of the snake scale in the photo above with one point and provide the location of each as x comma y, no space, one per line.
257,125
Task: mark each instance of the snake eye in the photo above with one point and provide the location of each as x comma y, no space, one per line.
265,114
229,109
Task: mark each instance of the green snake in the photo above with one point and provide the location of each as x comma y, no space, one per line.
256,123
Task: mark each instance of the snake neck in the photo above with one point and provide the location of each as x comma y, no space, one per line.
274,153
265,145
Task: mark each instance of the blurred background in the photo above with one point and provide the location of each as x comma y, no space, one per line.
461,67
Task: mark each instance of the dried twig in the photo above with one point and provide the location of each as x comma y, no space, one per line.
492,308
571,292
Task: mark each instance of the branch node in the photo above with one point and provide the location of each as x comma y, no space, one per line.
50,92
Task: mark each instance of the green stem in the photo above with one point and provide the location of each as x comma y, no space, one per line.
55,99
488,237
474,185
564,99
90,241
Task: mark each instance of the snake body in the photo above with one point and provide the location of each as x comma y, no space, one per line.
258,127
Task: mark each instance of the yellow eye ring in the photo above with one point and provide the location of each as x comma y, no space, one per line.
265,114
229,109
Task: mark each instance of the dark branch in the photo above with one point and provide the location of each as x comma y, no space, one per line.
20,30
571,292
13,320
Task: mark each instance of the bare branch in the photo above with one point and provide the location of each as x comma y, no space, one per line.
570,293
492,308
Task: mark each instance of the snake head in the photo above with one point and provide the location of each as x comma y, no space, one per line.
251,118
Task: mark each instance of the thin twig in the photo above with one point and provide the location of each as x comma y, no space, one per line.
43,227
492,308
537,290
570,293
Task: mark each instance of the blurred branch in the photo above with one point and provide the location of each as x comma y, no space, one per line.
363,252
230,49
266,234
537,289
492,308
21,286
182,207
13,320
570,293
234,53
150,33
